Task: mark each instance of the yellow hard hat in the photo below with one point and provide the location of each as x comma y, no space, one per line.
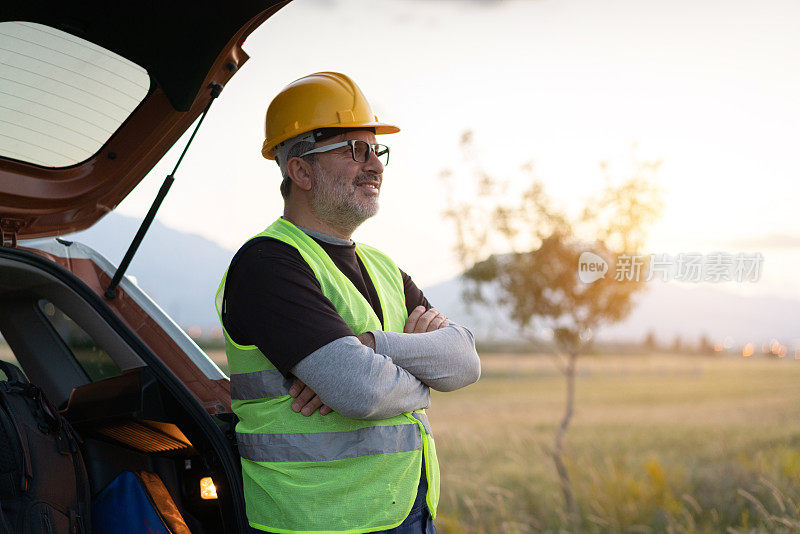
319,100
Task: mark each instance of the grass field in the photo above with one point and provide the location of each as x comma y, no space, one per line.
659,443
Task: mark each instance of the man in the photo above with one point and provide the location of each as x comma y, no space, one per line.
332,349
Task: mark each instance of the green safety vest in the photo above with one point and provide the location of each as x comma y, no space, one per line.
327,473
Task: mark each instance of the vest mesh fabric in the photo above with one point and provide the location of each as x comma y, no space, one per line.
327,473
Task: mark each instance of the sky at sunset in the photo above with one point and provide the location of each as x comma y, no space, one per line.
711,88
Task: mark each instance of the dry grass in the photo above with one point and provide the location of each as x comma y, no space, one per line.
659,443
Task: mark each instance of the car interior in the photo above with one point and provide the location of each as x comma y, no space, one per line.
126,417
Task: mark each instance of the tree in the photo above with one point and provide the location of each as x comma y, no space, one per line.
704,346
536,278
650,342
677,344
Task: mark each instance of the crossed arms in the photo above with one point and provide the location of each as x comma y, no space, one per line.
380,374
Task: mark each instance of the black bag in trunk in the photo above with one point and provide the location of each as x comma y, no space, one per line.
43,482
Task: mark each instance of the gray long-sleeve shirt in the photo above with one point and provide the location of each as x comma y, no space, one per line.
362,383
444,359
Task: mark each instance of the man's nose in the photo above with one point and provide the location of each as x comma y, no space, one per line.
373,163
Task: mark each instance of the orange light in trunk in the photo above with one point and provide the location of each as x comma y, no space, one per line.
207,488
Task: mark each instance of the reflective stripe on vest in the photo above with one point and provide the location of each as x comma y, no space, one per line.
328,446
366,472
259,385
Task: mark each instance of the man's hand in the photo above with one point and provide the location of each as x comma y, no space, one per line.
367,339
306,401
421,321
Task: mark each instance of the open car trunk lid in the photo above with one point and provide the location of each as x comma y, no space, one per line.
92,96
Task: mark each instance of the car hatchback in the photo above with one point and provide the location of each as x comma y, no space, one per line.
90,99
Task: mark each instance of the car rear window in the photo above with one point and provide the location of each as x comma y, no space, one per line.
95,361
61,97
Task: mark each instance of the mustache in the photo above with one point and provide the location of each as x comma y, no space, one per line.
362,178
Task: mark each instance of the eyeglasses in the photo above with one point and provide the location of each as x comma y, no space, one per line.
359,149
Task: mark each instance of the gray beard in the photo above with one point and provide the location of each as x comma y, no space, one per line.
334,202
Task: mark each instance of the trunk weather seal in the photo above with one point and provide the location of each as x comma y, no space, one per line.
211,431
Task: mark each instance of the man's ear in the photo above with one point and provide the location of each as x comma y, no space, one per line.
300,172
